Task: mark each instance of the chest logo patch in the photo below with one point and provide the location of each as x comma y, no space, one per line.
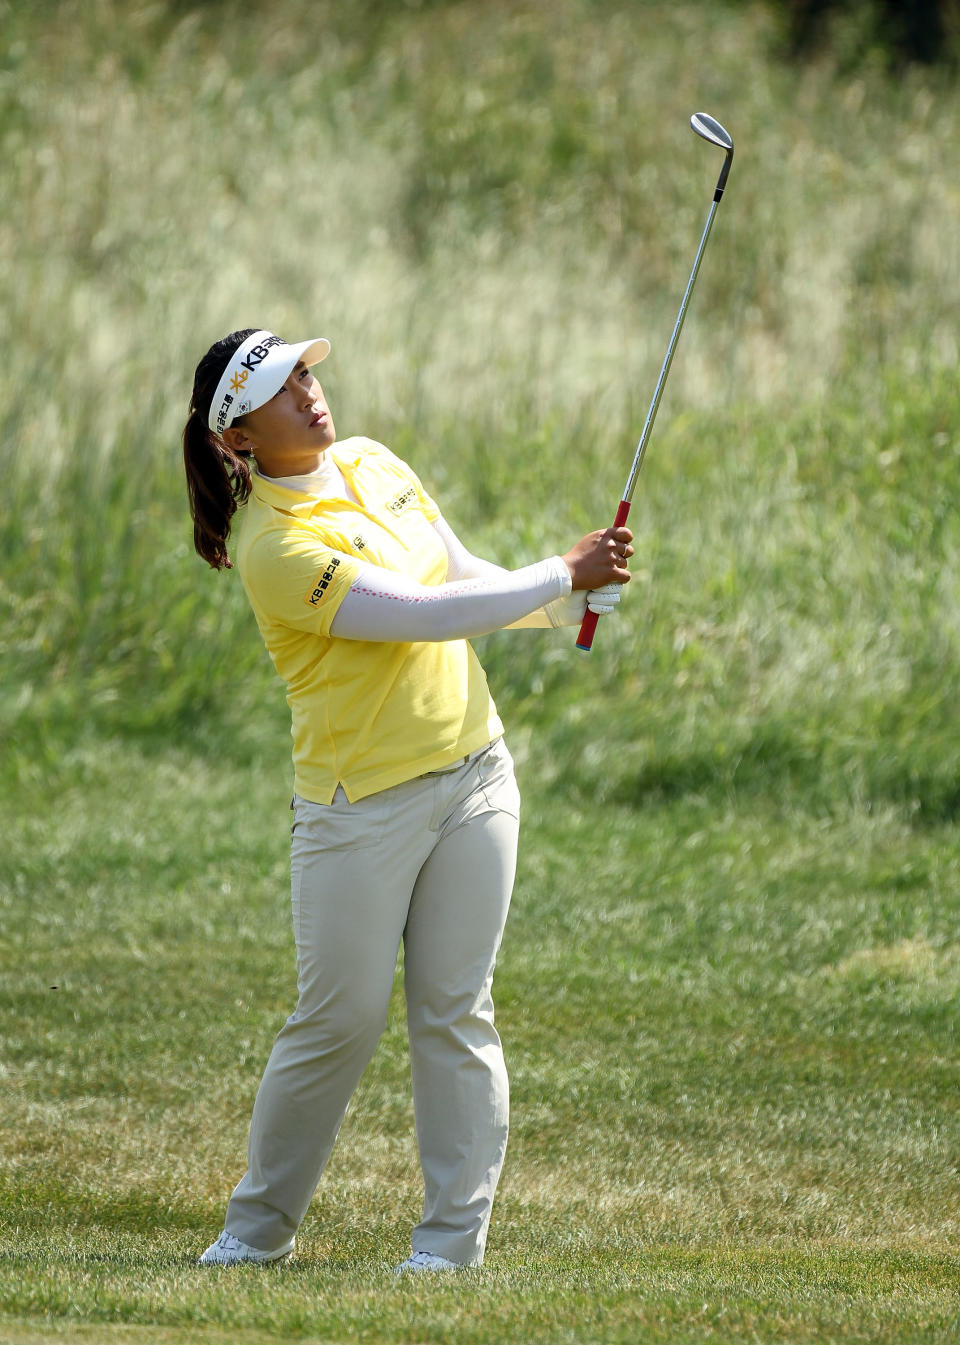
315,598
402,501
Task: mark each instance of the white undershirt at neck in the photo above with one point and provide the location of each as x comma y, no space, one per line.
325,483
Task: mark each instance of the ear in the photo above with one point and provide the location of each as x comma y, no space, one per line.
234,437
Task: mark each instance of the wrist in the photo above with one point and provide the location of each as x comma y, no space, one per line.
564,571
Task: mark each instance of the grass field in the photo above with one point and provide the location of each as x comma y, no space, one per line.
730,983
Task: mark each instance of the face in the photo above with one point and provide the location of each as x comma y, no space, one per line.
290,432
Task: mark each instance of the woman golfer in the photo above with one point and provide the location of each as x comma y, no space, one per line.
405,805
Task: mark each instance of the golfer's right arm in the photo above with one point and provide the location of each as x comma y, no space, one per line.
384,605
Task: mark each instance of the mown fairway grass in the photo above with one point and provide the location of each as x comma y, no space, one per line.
729,987
732,1047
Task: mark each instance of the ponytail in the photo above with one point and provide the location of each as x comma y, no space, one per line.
218,478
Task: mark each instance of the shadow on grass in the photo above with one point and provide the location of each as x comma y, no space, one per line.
805,764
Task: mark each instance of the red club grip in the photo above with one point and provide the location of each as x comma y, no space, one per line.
589,627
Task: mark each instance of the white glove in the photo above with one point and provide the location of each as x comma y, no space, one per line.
604,600
570,610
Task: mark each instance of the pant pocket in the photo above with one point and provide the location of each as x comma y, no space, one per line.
339,825
497,779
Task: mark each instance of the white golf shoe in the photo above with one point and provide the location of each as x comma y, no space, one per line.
422,1261
230,1251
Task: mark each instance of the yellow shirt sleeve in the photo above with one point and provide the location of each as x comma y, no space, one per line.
299,579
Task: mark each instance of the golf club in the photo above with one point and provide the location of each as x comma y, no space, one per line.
710,130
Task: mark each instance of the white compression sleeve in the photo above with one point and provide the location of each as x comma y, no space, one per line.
384,605
462,564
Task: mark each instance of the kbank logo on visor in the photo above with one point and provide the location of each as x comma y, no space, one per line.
258,369
241,370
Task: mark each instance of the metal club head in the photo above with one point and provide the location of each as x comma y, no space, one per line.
710,129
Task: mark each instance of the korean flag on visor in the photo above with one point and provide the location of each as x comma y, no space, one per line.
257,370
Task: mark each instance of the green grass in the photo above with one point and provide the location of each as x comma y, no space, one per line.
732,1044
729,986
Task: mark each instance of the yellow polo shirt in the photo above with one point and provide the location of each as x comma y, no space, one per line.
366,714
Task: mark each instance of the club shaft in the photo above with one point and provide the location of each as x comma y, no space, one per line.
589,625
668,359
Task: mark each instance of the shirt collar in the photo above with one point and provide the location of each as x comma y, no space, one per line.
298,502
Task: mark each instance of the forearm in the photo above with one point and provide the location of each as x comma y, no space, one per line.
567,610
384,605
463,564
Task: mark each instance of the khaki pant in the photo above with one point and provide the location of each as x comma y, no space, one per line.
432,862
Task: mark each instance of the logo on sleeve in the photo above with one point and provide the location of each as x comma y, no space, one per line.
315,598
402,501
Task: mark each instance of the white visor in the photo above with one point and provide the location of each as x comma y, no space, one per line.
257,370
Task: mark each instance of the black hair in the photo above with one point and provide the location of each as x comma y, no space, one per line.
218,477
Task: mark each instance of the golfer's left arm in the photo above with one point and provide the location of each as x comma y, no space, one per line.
566,611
